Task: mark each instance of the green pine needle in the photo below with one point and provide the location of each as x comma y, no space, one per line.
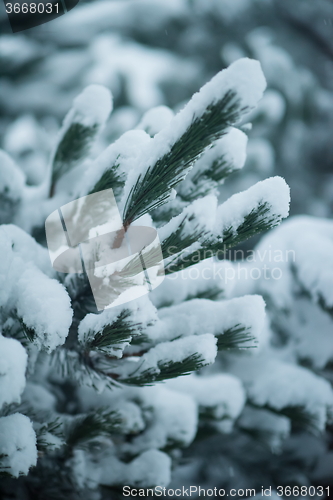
28,332
235,338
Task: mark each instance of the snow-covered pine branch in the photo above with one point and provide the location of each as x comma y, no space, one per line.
40,303
236,323
114,329
286,389
173,151
80,127
209,279
90,404
245,214
169,360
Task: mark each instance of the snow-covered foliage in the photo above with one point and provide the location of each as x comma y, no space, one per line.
135,344
18,450
82,390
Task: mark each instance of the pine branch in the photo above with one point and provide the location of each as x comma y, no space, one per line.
153,188
166,370
79,290
81,125
119,332
258,220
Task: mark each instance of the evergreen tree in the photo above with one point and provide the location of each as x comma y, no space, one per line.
239,410
82,404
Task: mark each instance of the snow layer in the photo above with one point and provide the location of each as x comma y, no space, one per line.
198,316
172,419
25,247
312,240
91,107
303,245
151,468
13,362
274,191
17,444
176,351
278,384
209,277
41,302
154,120
44,305
222,395
309,330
